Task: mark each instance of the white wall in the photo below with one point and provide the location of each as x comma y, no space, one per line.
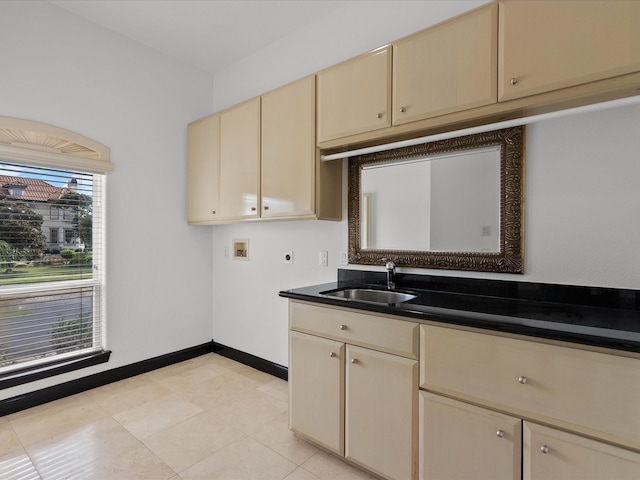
60,69
582,199
581,187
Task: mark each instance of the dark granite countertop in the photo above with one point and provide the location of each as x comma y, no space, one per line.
596,316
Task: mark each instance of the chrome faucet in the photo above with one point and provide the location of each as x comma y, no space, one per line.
391,274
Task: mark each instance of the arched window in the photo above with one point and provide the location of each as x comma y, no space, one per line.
52,246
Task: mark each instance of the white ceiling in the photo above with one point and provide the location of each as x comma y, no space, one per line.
207,34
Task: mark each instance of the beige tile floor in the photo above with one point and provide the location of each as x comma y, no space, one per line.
206,418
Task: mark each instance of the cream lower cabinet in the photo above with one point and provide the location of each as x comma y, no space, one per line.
587,400
459,441
551,454
353,400
316,377
380,412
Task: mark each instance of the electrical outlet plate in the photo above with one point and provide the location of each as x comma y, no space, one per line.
288,257
323,258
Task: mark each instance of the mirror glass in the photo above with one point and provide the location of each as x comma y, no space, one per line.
453,204
446,202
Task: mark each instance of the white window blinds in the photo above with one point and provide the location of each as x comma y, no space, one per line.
51,265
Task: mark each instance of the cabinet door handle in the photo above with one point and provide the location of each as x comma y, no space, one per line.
522,380
514,80
379,115
544,449
354,360
403,109
342,327
332,354
213,212
500,433
266,207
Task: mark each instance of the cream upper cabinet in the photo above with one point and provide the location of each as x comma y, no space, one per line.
240,161
203,159
463,441
551,454
381,411
258,160
316,393
446,68
549,45
288,150
355,96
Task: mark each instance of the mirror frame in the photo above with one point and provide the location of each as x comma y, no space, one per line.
509,259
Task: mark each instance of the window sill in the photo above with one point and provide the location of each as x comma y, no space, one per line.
44,371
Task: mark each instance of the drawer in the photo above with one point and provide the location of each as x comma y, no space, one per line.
594,393
385,334
552,454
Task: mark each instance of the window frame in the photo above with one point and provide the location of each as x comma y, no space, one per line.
53,147
54,235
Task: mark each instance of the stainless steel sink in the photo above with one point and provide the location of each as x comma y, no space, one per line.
371,295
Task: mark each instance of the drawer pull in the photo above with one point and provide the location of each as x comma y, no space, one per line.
500,434
343,327
544,449
332,354
522,380
354,360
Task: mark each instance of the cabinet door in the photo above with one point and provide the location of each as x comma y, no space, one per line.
447,68
355,96
546,46
550,454
459,441
203,158
316,389
381,415
288,150
240,160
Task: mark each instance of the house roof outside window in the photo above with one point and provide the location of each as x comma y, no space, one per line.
31,189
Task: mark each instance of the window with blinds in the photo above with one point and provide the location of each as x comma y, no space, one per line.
51,265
